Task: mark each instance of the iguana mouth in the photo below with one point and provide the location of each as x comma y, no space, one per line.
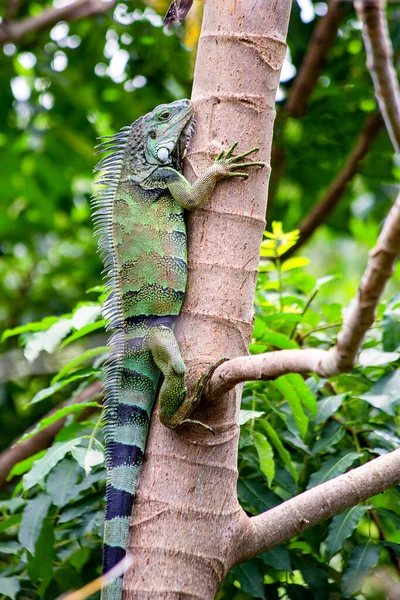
186,136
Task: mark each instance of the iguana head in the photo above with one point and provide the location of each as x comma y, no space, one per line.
167,131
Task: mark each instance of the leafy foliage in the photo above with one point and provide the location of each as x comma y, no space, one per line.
61,90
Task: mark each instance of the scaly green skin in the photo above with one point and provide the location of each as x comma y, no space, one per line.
140,215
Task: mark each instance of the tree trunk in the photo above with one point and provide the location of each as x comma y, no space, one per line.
187,515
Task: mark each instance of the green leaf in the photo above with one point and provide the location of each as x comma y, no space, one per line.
33,516
248,415
35,326
294,263
278,340
385,393
265,455
47,392
87,458
391,330
298,592
306,396
9,586
256,494
9,522
82,332
25,465
276,442
277,558
341,528
251,578
12,505
334,466
328,406
43,466
285,387
372,357
361,564
314,575
331,435
76,362
10,547
47,340
61,482
40,566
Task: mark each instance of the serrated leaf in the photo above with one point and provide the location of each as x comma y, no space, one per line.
60,484
391,330
40,566
248,415
29,327
43,466
331,435
328,406
314,575
25,465
385,393
341,528
276,442
256,494
278,340
9,586
332,467
372,357
289,393
362,562
53,389
77,361
265,455
251,578
33,516
277,558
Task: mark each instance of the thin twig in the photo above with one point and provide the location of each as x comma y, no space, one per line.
379,50
12,31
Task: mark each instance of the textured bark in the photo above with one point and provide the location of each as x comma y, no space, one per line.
187,510
379,51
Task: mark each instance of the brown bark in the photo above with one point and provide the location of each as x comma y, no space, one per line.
187,509
12,31
379,51
324,35
42,439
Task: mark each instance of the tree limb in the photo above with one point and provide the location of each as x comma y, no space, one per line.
379,50
43,438
12,31
294,516
358,319
310,69
321,211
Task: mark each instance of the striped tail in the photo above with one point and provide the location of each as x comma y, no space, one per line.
126,427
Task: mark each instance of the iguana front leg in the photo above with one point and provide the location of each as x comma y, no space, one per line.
192,196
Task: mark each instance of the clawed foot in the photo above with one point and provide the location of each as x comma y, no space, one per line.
228,164
200,388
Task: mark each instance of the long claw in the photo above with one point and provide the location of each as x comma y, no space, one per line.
255,149
242,175
247,164
231,149
194,422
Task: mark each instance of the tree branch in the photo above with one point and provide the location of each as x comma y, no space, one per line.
311,67
321,211
43,438
359,318
294,516
12,31
379,50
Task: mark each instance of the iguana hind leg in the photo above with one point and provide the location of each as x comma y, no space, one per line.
175,406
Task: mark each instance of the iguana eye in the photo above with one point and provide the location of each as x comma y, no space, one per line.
153,135
164,115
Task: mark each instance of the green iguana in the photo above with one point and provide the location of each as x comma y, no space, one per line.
140,217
